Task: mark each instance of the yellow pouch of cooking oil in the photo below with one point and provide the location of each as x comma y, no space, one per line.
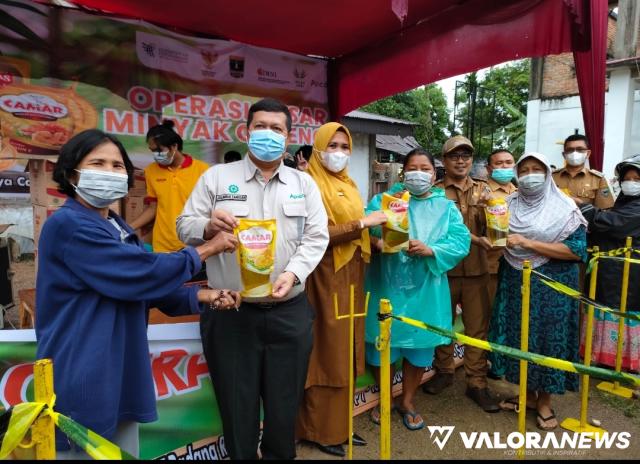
395,232
497,213
256,255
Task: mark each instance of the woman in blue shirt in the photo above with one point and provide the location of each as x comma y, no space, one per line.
94,287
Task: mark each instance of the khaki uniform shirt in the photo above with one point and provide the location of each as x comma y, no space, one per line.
588,185
467,200
500,191
290,196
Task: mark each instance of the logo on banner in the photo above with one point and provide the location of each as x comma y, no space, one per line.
149,49
33,106
236,66
299,74
270,76
266,73
209,58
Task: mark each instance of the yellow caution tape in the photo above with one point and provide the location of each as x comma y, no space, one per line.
554,363
575,294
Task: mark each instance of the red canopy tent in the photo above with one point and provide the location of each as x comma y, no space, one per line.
378,48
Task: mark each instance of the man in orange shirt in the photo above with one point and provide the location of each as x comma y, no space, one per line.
170,180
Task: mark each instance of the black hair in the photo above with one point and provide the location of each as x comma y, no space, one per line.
494,152
290,161
164,134
305,151
231,156
270,105
76,149
418,152
576,138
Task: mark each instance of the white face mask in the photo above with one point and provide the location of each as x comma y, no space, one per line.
334,161
101,188
575,158
630,188
531,183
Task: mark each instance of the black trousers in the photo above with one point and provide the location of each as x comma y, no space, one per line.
259,352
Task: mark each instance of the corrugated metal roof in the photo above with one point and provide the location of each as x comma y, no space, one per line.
377,117
396,144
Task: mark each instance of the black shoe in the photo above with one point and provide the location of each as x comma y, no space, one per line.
335,450
438,383
483,398
357,440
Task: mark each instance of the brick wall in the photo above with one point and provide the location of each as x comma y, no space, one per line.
559,71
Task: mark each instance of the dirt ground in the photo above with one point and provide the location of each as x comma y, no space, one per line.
453,408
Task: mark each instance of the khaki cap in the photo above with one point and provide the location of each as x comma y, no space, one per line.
455,142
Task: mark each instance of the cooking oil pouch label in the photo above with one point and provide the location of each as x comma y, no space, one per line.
395,232
256,255
497,214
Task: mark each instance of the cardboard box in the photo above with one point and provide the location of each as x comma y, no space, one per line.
40,214
44,191
133,207
139,188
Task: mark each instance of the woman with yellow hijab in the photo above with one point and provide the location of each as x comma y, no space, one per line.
323,416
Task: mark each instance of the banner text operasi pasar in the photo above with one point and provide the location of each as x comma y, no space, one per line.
201,118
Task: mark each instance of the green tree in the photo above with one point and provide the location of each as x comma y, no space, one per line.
500,107
426,106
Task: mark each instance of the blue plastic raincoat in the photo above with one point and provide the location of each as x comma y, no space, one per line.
417,286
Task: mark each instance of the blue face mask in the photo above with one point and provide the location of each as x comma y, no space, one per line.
502,175
101,188
417,182
165,158
266,145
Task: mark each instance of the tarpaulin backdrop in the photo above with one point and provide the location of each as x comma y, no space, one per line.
63,71
379,48
188,425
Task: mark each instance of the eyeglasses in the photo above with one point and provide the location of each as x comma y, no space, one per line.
458,156
579,150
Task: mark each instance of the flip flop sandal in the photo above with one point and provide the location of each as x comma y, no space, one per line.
413,415
541,420
374,415
513,404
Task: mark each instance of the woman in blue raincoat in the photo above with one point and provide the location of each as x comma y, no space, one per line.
415,280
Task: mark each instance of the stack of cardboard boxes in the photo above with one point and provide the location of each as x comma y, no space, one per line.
45,198
134,203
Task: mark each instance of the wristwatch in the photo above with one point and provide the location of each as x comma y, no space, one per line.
296,280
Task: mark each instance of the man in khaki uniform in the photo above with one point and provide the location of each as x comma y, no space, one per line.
500,168
586,186
468,282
